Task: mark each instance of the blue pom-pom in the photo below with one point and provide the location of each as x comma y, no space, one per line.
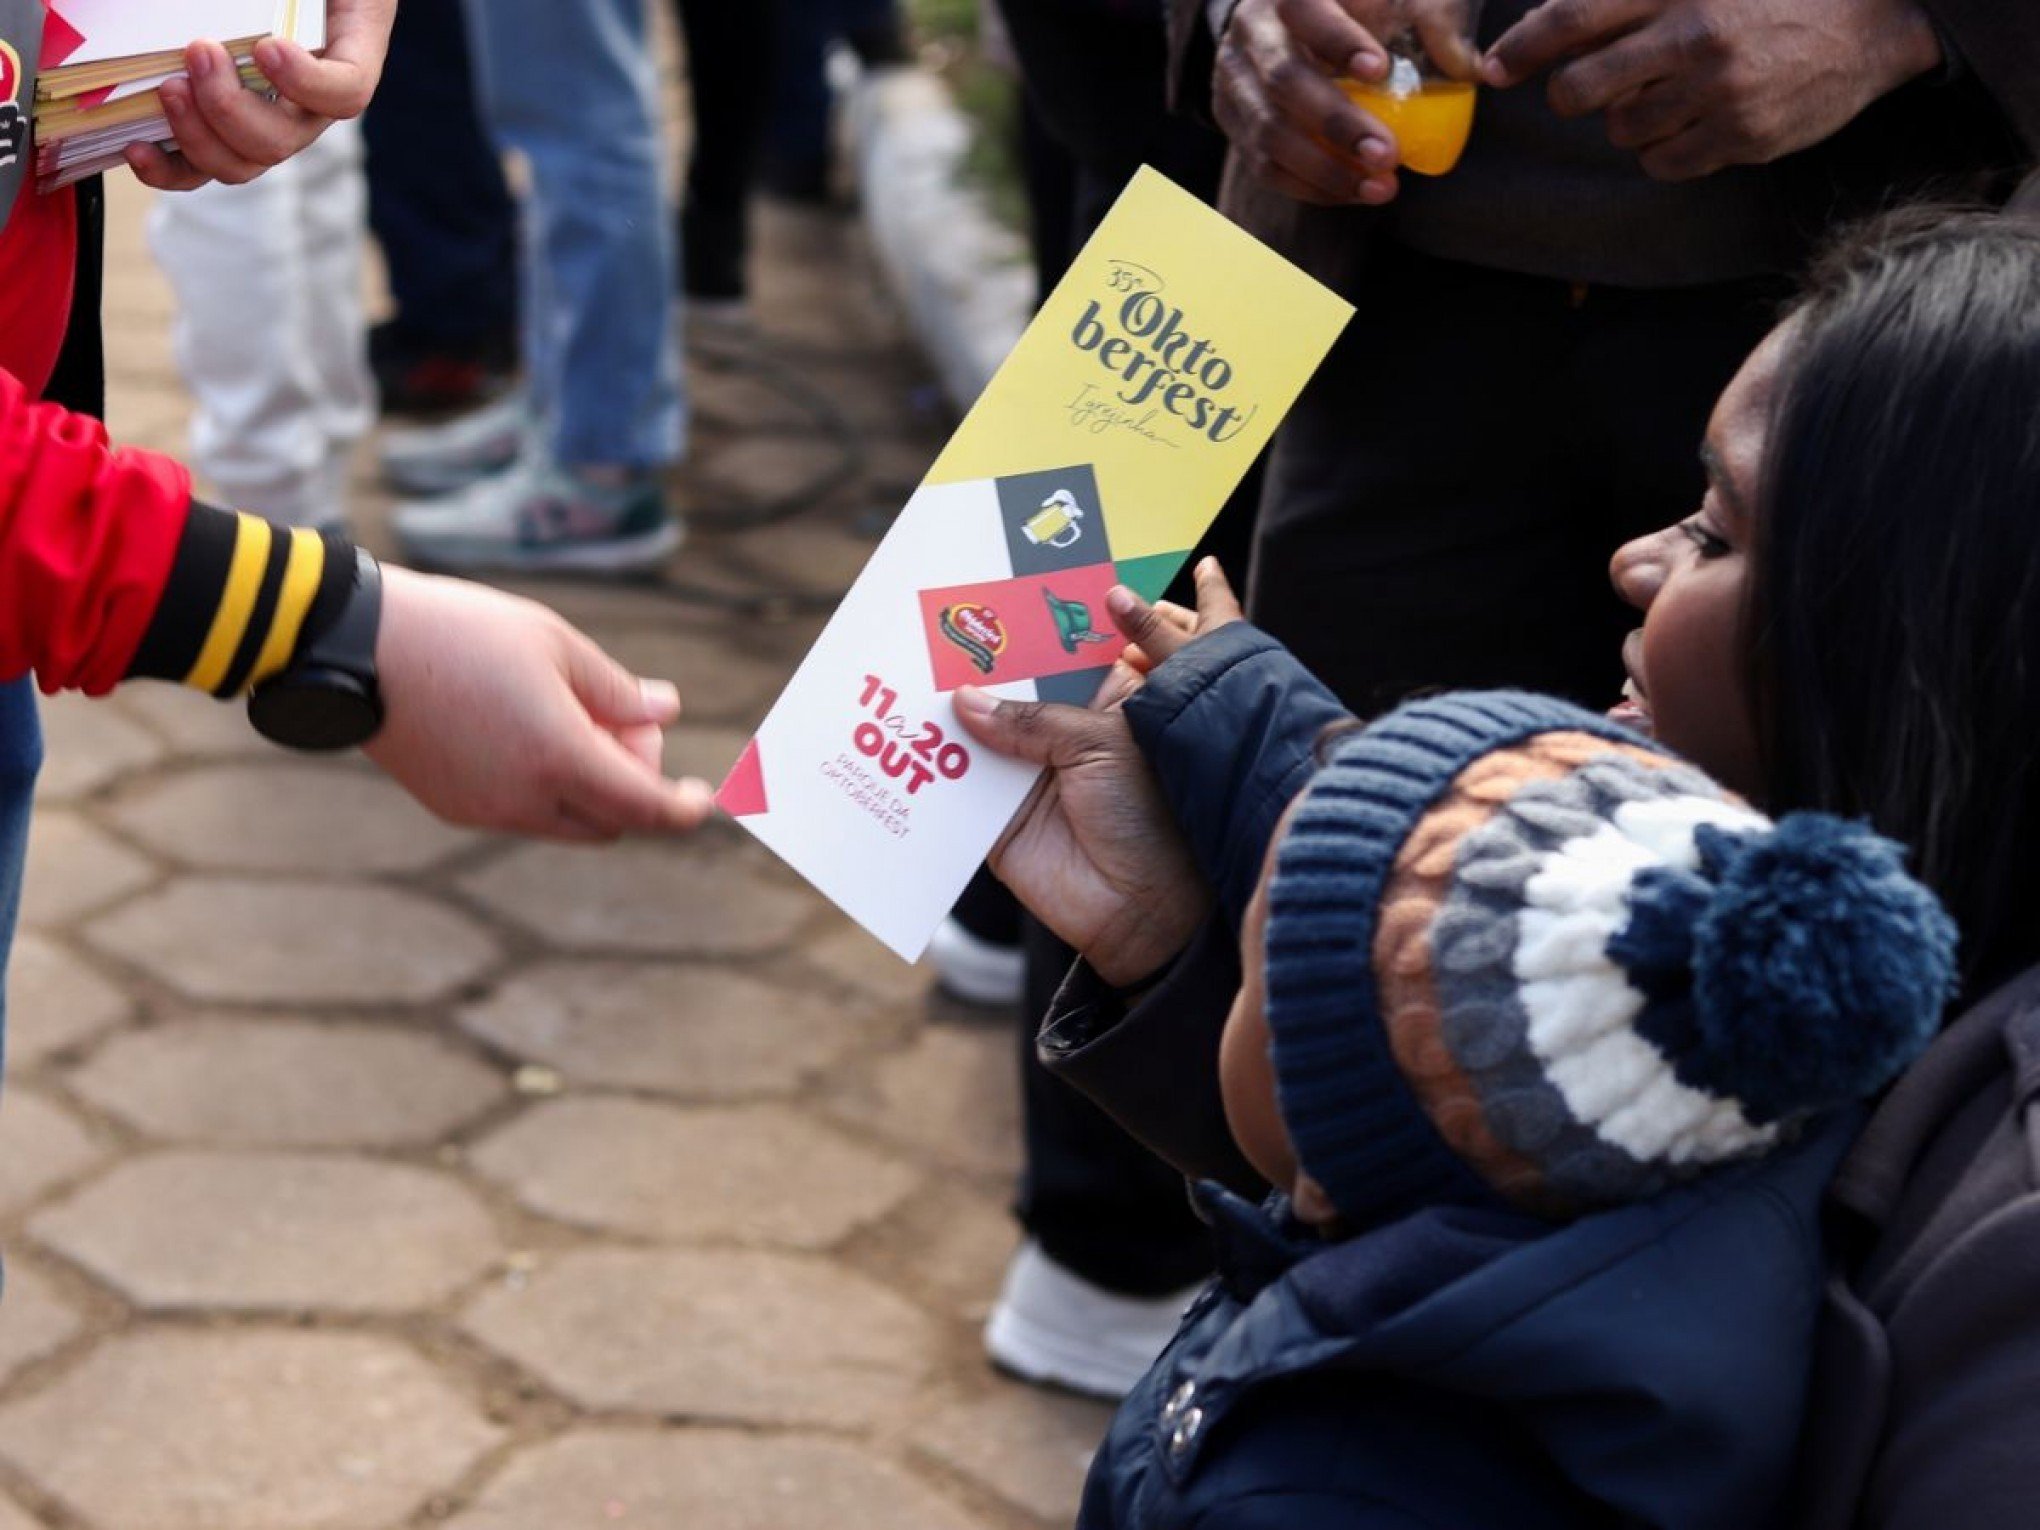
1820,967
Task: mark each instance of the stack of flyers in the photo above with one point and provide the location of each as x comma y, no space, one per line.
103,61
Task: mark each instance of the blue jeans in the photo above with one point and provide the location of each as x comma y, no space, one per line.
20,757
571,86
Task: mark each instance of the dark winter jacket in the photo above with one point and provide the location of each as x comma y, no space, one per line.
1925,1409
1460,1368
1644,1366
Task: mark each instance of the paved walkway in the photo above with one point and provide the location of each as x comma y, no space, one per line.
356,1172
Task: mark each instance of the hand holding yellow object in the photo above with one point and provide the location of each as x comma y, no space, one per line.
1426,99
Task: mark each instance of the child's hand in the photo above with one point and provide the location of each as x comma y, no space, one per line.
1094,853
1158,632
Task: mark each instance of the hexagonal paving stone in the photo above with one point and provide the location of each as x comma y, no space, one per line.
246,1430
288,1083
949,1246
55,1001
287,816
88,744
738,398
765,470
754,1338
192,724
41,1146
850,956
1028,1446
757,1175
697,1032
74,868
822,554
273,1232
690,899
241,941
34,1321
706,1479
953,1096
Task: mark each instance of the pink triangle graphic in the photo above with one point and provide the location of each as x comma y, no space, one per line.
743,794
60,39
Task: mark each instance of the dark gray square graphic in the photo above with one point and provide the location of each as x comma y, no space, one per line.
1054,520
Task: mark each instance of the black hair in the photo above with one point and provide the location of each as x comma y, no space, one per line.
1895,603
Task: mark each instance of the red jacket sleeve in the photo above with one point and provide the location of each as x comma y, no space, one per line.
88,535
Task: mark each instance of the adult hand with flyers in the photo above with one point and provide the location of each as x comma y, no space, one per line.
1696,86
1094,853
226,132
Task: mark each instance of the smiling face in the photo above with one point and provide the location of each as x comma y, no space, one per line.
1689,684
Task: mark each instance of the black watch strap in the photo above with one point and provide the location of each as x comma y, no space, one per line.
328,698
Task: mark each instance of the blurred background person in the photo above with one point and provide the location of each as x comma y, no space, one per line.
270,331
441,209
798,143
732,56
569,473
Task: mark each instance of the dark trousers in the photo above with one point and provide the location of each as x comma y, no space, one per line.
437,199
1098,1202
1442,504
798,137
731,52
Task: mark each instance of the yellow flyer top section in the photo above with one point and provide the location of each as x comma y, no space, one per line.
1165,359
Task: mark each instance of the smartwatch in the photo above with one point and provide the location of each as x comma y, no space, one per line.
328,698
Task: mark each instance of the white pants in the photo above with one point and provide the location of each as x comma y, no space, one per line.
270,333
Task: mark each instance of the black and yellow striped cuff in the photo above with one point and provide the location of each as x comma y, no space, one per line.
243,597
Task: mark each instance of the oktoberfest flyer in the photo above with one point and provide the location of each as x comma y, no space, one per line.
1117,428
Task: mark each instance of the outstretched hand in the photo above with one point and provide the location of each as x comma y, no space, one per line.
503,716
226,132
1094,853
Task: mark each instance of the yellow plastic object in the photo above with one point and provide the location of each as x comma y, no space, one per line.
1431,123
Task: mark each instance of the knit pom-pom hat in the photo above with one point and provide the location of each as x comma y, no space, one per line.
1515,949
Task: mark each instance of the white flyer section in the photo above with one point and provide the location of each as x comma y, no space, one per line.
124,29
861,778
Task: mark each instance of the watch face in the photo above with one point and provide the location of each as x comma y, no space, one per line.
318,710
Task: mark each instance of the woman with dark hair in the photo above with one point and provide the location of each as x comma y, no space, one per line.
1850,621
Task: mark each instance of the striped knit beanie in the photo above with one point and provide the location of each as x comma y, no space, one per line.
1515,949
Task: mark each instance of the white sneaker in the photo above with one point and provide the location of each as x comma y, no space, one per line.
536,517
974,969
445,458
1055,1327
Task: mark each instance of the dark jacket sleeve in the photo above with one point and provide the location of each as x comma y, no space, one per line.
1924,1406
1959,1450
1999,44
1152,1063
1231,726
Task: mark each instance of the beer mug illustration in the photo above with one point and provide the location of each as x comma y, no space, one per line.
1056,523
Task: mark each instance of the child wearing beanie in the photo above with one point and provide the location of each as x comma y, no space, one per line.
1540,1036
